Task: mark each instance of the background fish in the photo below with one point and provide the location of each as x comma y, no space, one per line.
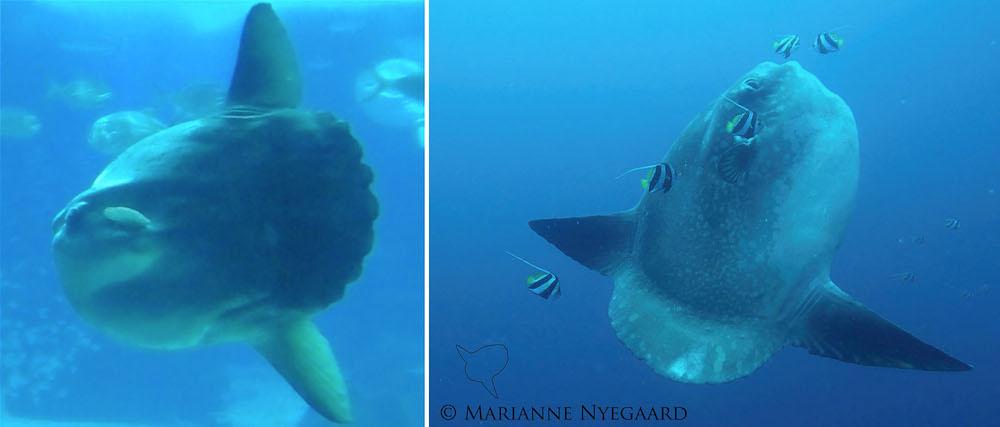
544,284
116,132
18,123
83,93
828,42
786,45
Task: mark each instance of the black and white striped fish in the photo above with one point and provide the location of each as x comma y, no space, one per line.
744,124
907,276
786,45
952,223
545,284
828,42
659,178
735,160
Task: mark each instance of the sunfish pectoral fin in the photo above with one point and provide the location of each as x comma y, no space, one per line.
681,345
127,217
302,355
735,162
600,243
839,327
267,72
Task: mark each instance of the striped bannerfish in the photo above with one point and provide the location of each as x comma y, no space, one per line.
952,223
744,124
907,276
828,42
545,284
735,161
786,45
659,178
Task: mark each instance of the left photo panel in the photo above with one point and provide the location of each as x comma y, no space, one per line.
212,213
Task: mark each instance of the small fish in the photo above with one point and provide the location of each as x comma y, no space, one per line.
744,124
394,77
659,178
786,45
545,284
971,293
905,276
952,223
82,93
116,132
828,42
18,123
916,240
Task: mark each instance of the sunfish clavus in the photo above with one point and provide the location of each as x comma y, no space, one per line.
713,277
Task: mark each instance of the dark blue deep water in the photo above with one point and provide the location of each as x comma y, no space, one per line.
537,106
57,367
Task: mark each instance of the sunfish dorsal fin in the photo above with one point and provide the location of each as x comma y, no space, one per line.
267,73
601,243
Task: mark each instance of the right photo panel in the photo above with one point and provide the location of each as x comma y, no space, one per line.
713,213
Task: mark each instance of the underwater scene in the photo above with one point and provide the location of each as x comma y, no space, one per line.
714,213
212,213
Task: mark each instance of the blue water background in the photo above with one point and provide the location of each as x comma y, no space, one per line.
536,106
155,48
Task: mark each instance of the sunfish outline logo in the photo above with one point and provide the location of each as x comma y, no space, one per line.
477,363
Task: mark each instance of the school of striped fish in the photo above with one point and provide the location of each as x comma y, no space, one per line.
827,42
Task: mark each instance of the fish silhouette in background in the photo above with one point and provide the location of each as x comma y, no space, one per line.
484,364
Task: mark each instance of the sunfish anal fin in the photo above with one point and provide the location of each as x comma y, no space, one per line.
601,243
267,73
839,327
303,357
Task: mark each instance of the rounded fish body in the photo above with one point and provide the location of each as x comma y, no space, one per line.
716,275
250,219
768,236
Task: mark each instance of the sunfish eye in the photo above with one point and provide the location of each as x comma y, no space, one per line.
74,215
753,84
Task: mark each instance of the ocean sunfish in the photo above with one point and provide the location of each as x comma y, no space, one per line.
713,277
236,227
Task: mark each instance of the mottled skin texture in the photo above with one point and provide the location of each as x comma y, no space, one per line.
252,218
734,261
749,244
711,278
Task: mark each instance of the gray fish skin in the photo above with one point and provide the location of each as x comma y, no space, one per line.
713,278
232,228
